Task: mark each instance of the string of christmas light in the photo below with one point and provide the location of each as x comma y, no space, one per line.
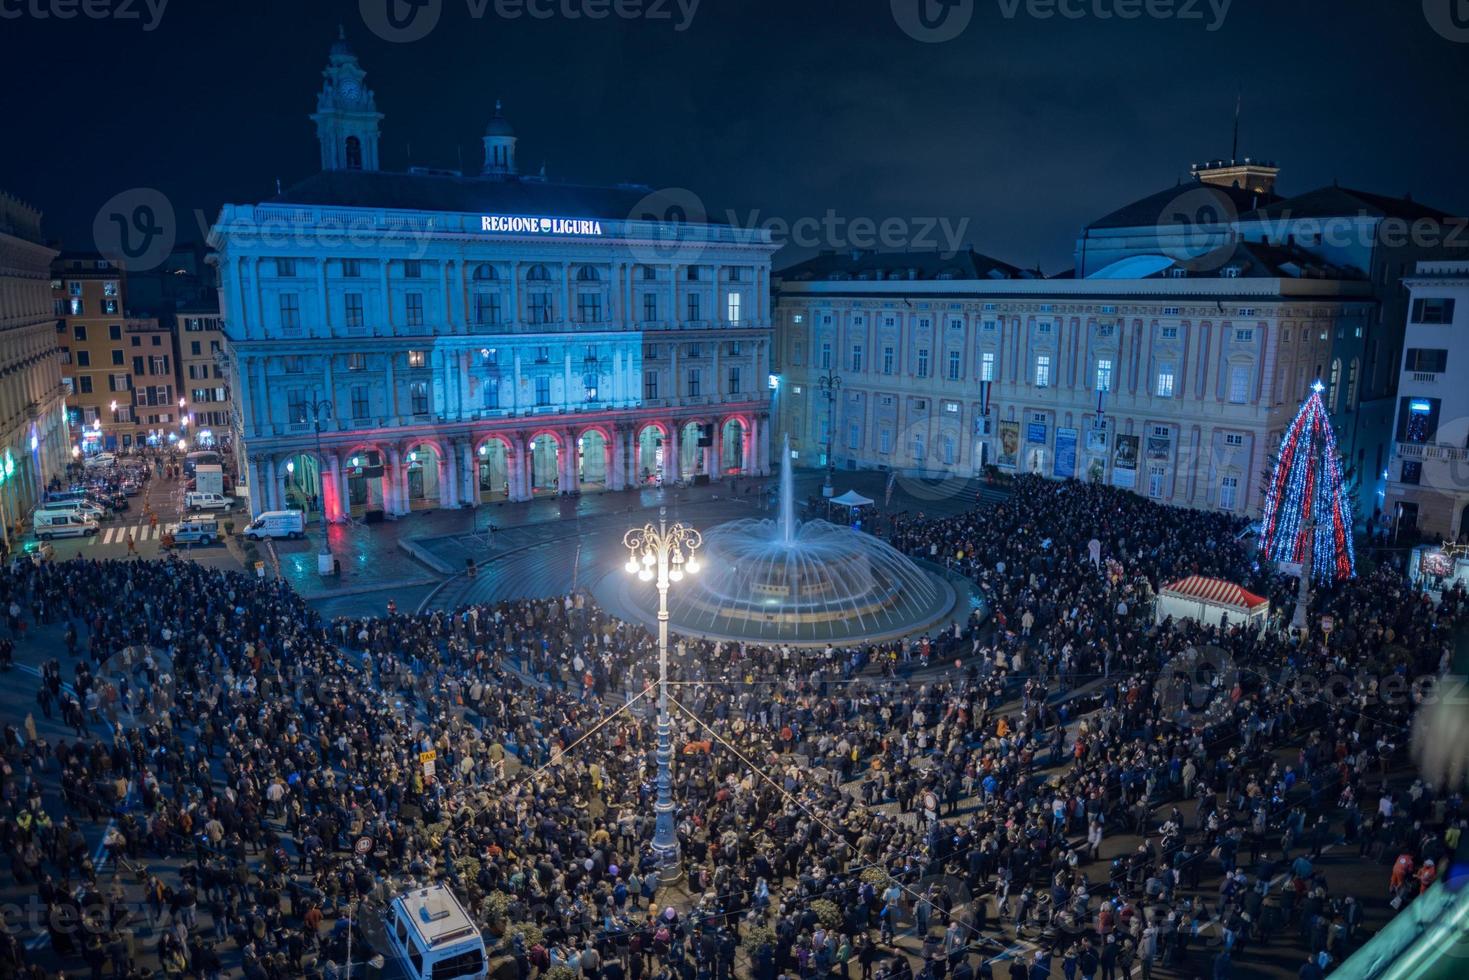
1307,486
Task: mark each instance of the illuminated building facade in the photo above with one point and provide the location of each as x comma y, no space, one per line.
33,443
458,338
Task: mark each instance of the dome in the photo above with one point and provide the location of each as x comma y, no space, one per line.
499,126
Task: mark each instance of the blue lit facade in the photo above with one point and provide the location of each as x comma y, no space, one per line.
458,339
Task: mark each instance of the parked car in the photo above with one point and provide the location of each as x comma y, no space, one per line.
208,501
99,460
277,524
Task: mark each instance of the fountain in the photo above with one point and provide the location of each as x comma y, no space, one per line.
802,582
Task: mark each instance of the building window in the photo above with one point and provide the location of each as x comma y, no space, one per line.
734,380
491,396
352,304
854,436
1433,311
589,307
357,361
650,274
1234,439
194,349
1244,336
918,447
413,306
734,348
418,397
949,451
416,359
650,307
540,308
486,309
158,365
887,360
290,312
117,358
114,332
412,269
954,365
76,307
650,385
1229,493
296,410
856,357
1170,333
293,363
694,378
1104,374
360,409
694,306
84,359
922,369
732,308
826,355
885,441
1042,370
351,268
1164,388
1424,360
987,366
1239,384
79,331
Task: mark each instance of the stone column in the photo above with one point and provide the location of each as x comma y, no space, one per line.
258,500
570,460
670,454
762,458
448,479
609,449
395,488
469,473
343,492
717,452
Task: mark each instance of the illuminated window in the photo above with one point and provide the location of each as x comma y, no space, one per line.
416,359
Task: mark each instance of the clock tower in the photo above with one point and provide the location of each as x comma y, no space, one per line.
346,114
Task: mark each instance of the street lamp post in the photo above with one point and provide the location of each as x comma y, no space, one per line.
830,383
662,554
321,410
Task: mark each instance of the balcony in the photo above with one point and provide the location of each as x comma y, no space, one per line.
1422,451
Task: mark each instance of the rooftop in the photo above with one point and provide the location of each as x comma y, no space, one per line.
869,265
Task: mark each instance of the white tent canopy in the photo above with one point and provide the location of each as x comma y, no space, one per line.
851,499
1211,601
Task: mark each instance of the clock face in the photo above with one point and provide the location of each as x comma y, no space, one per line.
350,90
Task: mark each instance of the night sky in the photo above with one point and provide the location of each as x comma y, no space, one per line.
1027,128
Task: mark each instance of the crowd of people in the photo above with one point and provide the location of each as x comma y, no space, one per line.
1037,790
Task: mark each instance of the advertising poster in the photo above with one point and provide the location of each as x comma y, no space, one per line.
1035,432
1009,444
1096,441
1124,463
1158,447
1065,453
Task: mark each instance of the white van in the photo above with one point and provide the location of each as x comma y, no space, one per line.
277,524
84,508
195,529
62,524
101,459
434,938
208,501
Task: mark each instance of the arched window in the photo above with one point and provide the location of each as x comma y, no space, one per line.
1351,385
354,153
537,273
485,273
588,273
1333,387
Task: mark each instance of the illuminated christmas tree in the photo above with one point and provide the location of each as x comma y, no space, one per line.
1306,501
